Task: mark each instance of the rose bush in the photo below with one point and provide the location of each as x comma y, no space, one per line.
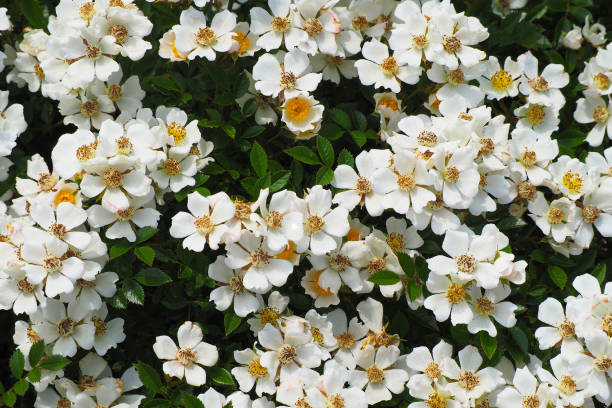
305,203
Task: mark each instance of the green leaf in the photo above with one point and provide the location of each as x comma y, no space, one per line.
152,277
34,375
407,263
384,277
220,376
600,273
324,176
133,291
326,151
359,120
117,250
414,290
231,322
157,403
249,107
488,344
345,157
17,363
144,234
149,377
360,137
9,398
558,276
36,352
165,82
279,180
146,254
21,387
229,130
303,154
54,363
253,131
259,159
520,338
430,248
33,12
191,402
241,86
340,117
510,223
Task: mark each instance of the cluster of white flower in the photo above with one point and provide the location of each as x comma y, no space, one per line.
114,170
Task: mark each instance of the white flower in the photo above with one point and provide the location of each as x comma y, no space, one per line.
499,83
532,154
280,222
377,373
593,108
292,77
331,392
433,365
244,42
87,293
175,171
571,176
231,290
559,218
251,373
527,389
491,305
302,113
271,313
186,359
573,38
174,130
63,224
552,79
65,328
595,34
205,221
457,177
195,39
448,299
17,293
321,223
360,188
321,24
456,84
334,269
412,39
263,270
71,151
276,27
108,333
458,33
470,381
348,337
597,366
562,328
382,70
540,114
85,110
572,389
128,97
128,26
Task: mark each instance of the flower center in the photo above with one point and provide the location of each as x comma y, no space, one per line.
389,103
555,215
466,263
39,71
345,340
528,158
185,356
318,288
90,109
125,214
468,380
274,219
120,33
338,262
63,403
65,327
601,114
46,182
242,40
100,326
288,252
178,132
335,60
432,371
52,264
375,374
451,174
86,152
243,210
124,145
427,138
205,37
236,285
112,178
204,225
572,181
455,77
287,354
567,385
419,41
395,240
538,84
312,27
171,167
114,92
363,186
314,223
376,264
87,11
57,230
603,363
335,401
526,190
86,382
435,400
24,286
259,258
92,51
281,24
535,114
484,306
256,369
606,324
601,81
487,146
450,43
531,401
297,109
269,315
406,182
567,329
360,23
287,80
316,335
455,293
501,80
389,65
